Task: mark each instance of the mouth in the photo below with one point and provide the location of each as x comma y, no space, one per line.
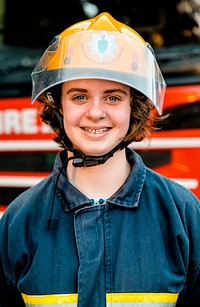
95,131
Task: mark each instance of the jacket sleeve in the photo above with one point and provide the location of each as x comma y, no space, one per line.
190,295
8,297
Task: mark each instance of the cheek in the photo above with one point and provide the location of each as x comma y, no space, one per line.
68,123
71,119
67,118
124,119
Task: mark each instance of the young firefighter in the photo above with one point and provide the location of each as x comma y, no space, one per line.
102,229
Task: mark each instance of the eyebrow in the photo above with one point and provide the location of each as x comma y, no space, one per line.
76,89
115,90
82,90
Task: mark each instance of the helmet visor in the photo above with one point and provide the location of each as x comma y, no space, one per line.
100,55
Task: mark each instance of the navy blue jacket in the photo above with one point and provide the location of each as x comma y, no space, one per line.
140,247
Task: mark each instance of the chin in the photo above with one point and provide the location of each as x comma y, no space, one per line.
95,152
96,149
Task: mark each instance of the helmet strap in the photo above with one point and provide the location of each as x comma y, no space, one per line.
81,160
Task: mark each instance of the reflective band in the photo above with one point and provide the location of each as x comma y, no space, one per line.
113,299
141,299
69,300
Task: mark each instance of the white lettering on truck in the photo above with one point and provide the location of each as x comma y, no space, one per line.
25,121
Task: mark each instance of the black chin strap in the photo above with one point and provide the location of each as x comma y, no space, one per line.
80,160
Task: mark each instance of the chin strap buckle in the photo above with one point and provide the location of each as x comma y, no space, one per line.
89,161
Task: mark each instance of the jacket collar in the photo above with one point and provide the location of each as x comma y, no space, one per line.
127,196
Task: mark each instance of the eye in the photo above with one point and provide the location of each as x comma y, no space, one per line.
112,99
79,97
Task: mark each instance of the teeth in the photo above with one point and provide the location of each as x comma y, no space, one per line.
96,131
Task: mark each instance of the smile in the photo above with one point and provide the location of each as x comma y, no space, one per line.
96,131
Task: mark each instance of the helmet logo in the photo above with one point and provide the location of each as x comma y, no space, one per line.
102,45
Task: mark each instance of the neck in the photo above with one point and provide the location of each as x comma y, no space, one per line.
103,180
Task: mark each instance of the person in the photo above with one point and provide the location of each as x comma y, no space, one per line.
102,229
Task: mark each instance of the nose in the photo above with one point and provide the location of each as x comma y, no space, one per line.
96,110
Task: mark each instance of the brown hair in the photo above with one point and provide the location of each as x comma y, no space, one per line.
143,120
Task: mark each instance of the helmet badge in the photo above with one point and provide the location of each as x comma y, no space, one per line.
103,46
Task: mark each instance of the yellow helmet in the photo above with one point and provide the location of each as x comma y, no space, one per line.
100,48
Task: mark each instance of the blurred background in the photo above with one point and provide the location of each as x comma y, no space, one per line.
34,23
172,28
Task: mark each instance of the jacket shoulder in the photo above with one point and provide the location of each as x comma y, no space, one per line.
169,188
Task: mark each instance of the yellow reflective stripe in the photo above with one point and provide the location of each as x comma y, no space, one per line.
142,297
50,299
121,299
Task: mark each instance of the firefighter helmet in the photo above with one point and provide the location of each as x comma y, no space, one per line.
100,48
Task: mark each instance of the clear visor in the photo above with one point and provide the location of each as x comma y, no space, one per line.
100,55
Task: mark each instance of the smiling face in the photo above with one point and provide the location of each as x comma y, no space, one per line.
96,114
